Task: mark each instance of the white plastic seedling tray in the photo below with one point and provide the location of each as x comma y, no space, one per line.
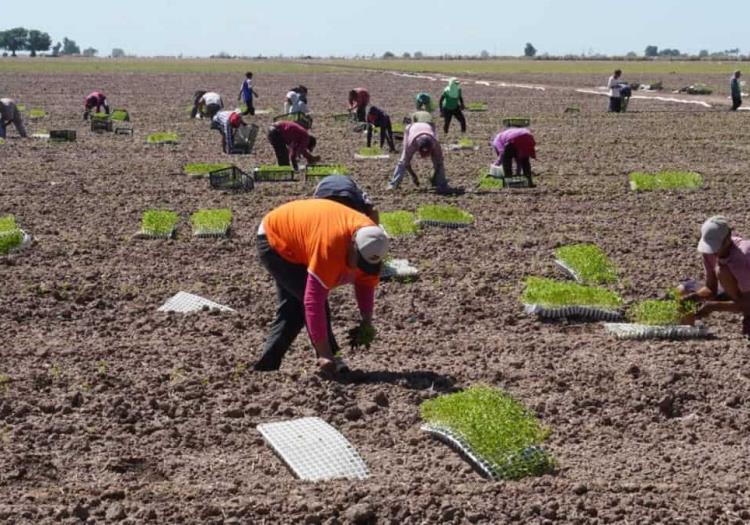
25,243
212,233
184,302
357,156
459,147
145,235
398,269
314,450
642,331
584,313
444,224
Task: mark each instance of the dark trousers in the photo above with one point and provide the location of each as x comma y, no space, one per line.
279,147
448,115
386,133
249,108
361,114
290,312
736,103
523,165
615,104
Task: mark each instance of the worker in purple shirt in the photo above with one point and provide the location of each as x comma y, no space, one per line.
515,144
420,138
247,93
726,260
95,100
377,118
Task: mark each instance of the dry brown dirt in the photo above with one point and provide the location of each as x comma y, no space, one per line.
111,411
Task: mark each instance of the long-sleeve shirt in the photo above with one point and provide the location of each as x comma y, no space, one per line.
410,148
361,100
8,110
735,88
96,99
221,122
296,138
522,140
614,86
317,233
295,103
737,262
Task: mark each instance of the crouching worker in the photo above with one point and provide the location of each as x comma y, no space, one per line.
344,190
420,138
379,119
358,100
95,100
227,122
290,141
515,144
726,259
9,113
206,105
423,102
310,247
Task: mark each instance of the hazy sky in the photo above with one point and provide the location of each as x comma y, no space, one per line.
294,27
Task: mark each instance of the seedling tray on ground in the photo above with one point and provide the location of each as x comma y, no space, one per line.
199,170
476,106
314,450
163,138
464,147
231,178
445,223
25,242
582,313
274,174
489,471
62,135
120,115
101,124
382,156
644,331
184,303
514,181
517,122
215,223
320,171
147,235
304,120
398,270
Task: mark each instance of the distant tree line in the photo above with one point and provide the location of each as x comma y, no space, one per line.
35,41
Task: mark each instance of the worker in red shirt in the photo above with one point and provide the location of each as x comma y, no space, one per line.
290,141
95,100
358,100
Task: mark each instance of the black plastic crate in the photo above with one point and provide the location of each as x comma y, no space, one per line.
244,140
62,135
265,175
231,178
101,125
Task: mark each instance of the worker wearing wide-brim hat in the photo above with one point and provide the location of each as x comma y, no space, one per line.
311,247
726,261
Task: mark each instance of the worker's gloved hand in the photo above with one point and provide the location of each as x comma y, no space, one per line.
362,335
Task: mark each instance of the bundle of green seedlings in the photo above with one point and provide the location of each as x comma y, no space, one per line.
553,294
10,234
201,169
211,221
373,151
399,223
397,127
517,122
21,107
476,106
465,142
590,264
487,182
444,213
37,113
100,116
273,172
120,115
163,138
665,180
159,223
497,428
672,311
324,171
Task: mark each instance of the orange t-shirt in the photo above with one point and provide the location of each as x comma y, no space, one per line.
317,233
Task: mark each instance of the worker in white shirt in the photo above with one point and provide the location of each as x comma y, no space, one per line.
615,94
207,105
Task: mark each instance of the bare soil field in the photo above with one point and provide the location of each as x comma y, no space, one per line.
111,411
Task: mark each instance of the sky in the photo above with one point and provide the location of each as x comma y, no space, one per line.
363,27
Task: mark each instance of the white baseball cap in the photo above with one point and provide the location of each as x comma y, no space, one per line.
713,233
372,245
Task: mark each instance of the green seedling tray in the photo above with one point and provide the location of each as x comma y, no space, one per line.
476,106
342,117
62,135
304,120
274,174
320,171
572,110
517,122
231,178
120,115
163,138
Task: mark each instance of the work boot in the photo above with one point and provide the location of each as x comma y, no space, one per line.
341,366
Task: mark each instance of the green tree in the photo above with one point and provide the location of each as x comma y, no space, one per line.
529,50
56,49
38,41
90,52
14,39
388,54
70,47
651,51
118,53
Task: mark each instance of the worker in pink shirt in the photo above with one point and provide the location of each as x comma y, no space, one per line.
515,144
726,259
95,100
420,138
358,100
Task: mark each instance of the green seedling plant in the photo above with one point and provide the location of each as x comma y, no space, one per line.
100,116
665,180
665,312
465,142
120,115
397,127
444,213
163,138
476,106
324,171
589,262
551,293
201,169
272,172
216,221
158,223
496,427
10,235
372,151
488,182
517,122
399,223
362,336
37,113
